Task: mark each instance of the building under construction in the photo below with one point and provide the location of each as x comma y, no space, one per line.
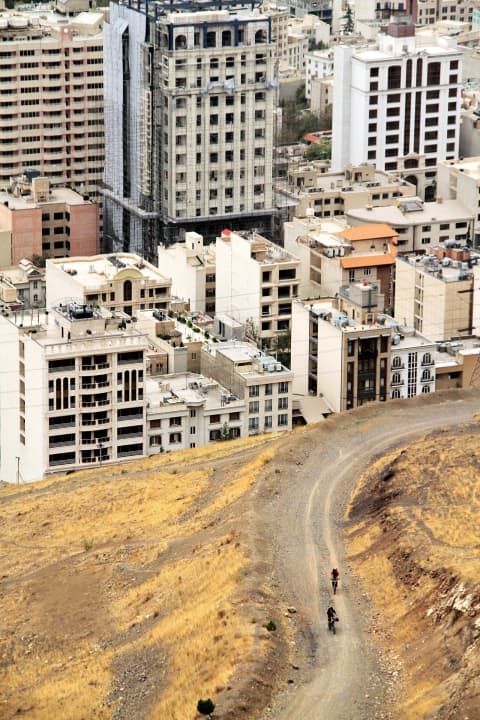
190,92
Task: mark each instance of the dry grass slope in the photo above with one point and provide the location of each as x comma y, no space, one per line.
121,593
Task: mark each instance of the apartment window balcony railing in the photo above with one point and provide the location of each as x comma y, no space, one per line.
397,383
124,436
95,403
97,366
427,363
61,368
53,443
426,379
95,386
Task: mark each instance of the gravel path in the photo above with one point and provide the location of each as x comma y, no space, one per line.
342,677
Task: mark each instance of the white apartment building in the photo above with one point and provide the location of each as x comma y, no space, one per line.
72,392
420,226
412,364
318,64
51,84
255,284
260,380
395,101
123,283
190,410
189,103
192,267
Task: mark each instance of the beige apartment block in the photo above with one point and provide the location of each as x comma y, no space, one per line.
460,180
256,283
259,379
51,85
192,267
74,391
338,358
23,285
434,294
329,194
420,226
45,221
122,282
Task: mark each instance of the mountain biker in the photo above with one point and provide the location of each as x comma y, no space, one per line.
334,575
331,617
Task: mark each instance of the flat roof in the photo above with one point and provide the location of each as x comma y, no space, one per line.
55,196
431,212
94,271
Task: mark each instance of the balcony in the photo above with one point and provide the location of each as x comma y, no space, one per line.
95,386
428,379
397,383
97,366
398,367
94,403
428,363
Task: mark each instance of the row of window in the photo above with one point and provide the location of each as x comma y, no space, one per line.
254,390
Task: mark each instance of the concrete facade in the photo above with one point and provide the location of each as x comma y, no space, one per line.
192,267
122,283
256,283
190,126
396,99
48,222
51,117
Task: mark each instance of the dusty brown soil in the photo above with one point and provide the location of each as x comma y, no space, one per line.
131,592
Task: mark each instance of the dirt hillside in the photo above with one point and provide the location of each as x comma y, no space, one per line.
414,537
130,592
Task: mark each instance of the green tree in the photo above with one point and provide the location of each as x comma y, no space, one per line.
225,432
319,151
205,707
348,17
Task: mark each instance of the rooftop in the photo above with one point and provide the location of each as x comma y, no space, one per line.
94,271
373,260
430,212
188,389
56,196
368,232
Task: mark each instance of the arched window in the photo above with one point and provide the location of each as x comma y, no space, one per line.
396,379
426,389
260,36
180,42
395,394
427,359
127,290
397,361
426,375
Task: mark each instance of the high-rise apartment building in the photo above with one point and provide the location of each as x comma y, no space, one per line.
395,102
189,101
51,98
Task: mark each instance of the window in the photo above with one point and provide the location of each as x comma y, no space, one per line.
282,403
283,387
175,438
268,389
268,421
282,420
254,390
254,406
394,77
268,405
253,424
214,419
175,421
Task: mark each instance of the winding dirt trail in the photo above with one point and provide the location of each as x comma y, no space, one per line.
338,677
